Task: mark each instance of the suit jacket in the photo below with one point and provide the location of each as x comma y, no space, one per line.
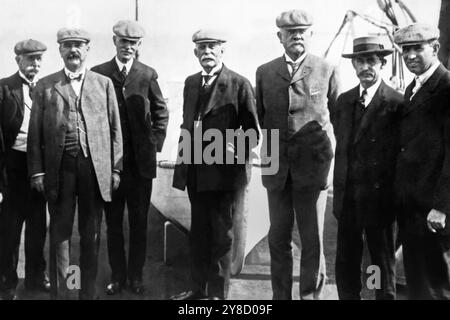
231,106
146,110
317,87
11,117
48,126
373,149
422,178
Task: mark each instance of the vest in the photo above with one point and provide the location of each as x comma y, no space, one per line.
76,136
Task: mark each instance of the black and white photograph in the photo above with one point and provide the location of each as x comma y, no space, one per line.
240,150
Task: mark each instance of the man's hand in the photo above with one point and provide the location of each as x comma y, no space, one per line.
1,197
37,183
436,220
115,181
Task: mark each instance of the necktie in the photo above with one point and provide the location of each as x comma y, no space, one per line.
362,99
294,67
206,79
31,86
124,73
416,87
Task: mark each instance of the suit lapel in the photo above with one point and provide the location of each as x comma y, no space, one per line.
424,93
218,91
346,121
133,74
115,72
192,95
282,69
304,69
374,107
62,86
17,92
88,91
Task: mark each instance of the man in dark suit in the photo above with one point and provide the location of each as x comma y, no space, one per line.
216,99
144,118
295,94
74,156
22,204
422,182
366,128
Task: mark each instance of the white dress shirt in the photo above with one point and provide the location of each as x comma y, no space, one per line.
421,79
297,62
370,91
76,84
213,73
21,140
126,65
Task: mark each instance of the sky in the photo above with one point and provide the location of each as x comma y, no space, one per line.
169,24
250,25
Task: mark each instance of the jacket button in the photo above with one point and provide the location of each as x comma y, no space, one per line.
402,149
373,139
376,185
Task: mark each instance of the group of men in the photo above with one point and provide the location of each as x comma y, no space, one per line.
93,136
85,139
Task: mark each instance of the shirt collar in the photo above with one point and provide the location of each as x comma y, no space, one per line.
371,90
214,70
427,74
25,78
298,61
75,74
126,65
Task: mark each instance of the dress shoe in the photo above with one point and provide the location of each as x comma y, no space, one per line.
9,294
137,287
38,284
189,295
113,288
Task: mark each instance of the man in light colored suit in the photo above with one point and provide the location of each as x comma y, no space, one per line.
296,94
74,154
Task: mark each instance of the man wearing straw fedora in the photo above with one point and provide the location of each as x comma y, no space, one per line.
366,128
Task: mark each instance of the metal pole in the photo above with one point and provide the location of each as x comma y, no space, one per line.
137,10
136,17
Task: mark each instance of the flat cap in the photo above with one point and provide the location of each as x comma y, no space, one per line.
208,35
29,47
415,33
66,34
294,19
128,29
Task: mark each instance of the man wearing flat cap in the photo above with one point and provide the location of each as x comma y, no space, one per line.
295,94
74,157
21,204
144,118
215,99
366,129
422,182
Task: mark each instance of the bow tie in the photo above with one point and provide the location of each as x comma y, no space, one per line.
75,76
